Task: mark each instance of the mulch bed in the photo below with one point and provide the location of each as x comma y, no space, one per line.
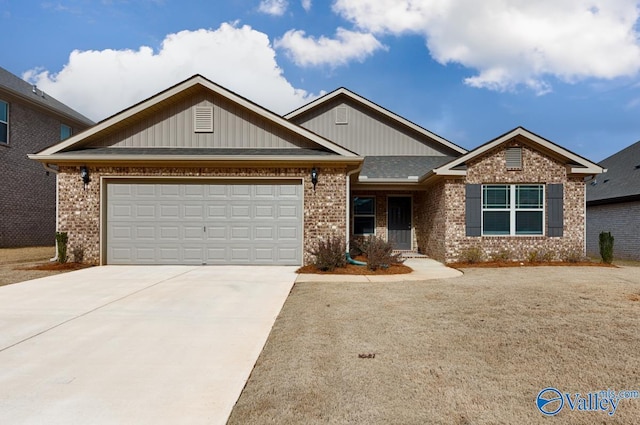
352,269
56,266
496,264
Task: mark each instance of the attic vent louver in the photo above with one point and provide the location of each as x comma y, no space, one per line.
514,158
203,119
342,115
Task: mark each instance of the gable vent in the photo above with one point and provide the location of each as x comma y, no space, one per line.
342,115
514,158
203,119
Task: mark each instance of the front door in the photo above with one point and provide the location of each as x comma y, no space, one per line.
399,221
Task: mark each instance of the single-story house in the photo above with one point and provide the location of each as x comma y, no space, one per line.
30,120
613,204
200,175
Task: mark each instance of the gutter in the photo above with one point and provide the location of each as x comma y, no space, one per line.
54,171
348,200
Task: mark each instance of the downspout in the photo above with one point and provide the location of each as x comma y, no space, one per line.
55,172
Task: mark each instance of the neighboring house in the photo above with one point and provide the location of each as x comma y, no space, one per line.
200,175
30,120
613,204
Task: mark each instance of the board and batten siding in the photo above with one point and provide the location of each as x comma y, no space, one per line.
233,127
367,133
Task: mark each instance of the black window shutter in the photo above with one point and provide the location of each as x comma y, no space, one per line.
555,207
473,209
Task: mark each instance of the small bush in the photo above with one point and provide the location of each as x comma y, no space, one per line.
472,255
330,254
379,253
606,247
573,256
540,256
61,243
502,256
357,247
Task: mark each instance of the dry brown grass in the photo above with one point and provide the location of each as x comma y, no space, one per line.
20,264
470,350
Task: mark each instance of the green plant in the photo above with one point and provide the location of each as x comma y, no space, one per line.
472,255
540,256
379,253
61,243
329,253
606,247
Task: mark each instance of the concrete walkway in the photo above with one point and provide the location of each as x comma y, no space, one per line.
423,269
134,344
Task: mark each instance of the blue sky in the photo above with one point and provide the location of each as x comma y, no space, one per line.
466,70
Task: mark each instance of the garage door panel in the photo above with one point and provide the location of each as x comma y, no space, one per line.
204,223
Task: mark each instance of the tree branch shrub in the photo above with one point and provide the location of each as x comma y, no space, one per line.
606,247
329,254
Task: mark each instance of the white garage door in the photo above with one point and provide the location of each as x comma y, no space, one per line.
212,223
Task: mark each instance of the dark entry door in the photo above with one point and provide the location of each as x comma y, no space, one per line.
399,221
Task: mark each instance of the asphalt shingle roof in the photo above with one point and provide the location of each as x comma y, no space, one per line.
400,167
622,179
19,87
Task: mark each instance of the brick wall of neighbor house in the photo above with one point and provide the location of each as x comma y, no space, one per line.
79,209
623,221
27,196
537,168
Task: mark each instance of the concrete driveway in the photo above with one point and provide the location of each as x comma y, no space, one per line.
134,344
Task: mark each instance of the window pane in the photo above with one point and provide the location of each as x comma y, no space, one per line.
529,196
65,131
528,222
3,133
495,223
4,108
363,225
496,196
363,206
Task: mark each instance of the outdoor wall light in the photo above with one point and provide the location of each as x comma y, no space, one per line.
314,177
84,174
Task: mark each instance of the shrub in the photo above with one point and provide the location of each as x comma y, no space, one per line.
61,243
472,255
330,254
379,253
540,256
606,247
572,256
503,255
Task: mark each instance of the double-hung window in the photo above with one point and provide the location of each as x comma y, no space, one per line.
4,122
516,209
364,215
65,131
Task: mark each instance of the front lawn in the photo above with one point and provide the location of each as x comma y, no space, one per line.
472,350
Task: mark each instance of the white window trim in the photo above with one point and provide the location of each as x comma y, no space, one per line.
353,220
6,122
512,209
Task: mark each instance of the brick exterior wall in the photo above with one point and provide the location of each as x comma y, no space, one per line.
431,221
79,208
491,168
27,193
623,221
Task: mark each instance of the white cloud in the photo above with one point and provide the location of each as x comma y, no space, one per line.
347,46
101,83
306,5
517,42
273,7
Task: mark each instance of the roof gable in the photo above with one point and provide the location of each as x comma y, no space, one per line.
109,132
622,178
575,163
382,131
